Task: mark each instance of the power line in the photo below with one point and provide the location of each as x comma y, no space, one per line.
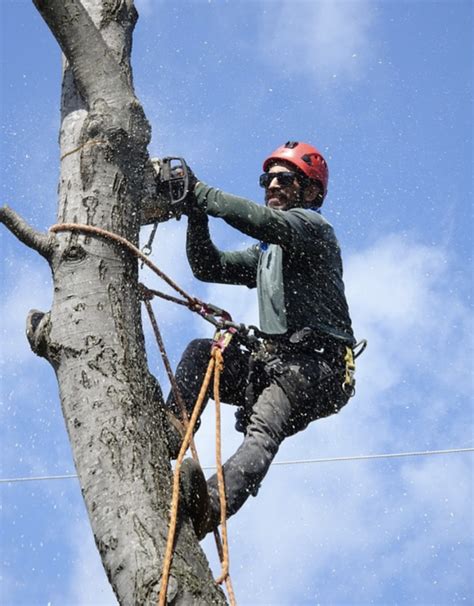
38,478
390,455
393,455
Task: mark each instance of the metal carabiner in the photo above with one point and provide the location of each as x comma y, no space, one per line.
146,250
361,345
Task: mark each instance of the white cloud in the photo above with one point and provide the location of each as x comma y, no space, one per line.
419,331
324,39
392,281
317,530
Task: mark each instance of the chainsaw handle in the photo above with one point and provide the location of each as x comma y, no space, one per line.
178,185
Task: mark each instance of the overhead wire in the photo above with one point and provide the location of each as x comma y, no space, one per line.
368,457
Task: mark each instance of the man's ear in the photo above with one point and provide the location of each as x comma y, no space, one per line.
312,195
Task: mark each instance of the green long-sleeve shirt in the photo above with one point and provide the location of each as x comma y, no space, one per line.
296,266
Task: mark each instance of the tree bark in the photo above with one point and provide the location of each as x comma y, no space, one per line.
93,334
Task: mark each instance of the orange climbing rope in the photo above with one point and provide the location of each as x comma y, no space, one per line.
219,367
220,342
175,497
192,302
215,367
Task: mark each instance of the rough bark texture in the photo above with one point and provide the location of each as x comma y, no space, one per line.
93,334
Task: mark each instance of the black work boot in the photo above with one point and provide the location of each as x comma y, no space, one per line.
196,498
174,432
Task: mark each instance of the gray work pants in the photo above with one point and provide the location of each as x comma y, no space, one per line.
278,394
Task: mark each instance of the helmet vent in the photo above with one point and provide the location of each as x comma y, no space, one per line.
291,144
307,158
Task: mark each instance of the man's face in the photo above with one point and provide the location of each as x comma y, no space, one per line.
279,196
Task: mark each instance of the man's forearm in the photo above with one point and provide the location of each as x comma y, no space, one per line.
252,219
204,258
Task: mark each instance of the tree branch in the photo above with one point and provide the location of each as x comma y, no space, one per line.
42,243
97,73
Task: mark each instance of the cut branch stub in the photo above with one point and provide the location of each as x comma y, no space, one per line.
38,327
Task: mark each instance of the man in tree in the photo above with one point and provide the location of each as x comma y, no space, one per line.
298,372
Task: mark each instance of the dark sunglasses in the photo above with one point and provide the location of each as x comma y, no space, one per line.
284,178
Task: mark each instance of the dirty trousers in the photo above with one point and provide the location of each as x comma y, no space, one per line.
277,398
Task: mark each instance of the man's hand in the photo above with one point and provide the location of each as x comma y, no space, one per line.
177,171
190,205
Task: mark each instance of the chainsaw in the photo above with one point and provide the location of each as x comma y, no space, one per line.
167,191
168,187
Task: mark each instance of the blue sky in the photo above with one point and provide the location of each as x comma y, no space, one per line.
384,89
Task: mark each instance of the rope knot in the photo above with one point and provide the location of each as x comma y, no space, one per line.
145,293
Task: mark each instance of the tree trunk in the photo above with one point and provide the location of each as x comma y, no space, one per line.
93,334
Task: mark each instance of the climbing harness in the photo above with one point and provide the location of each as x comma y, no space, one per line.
225,330
348,385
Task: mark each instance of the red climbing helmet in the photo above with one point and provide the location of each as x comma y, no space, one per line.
305,157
